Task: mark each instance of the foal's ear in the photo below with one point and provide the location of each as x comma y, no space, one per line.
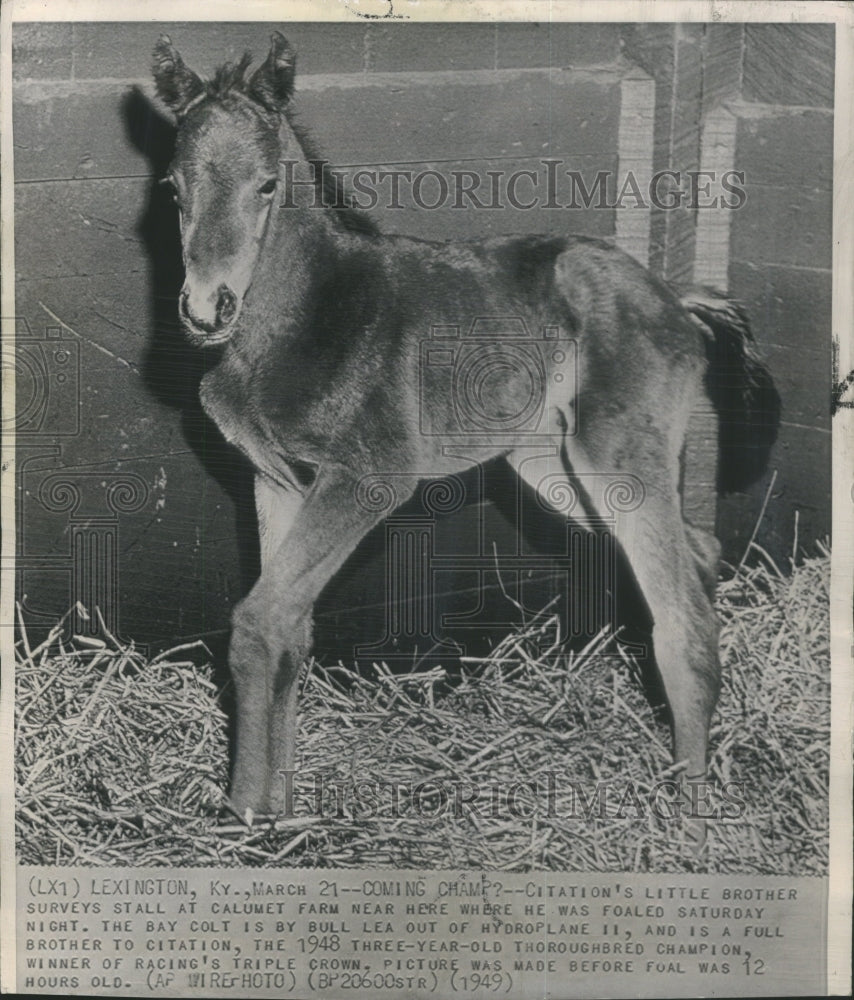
273,82
176,84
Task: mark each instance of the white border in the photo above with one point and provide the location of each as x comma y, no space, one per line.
7,512
842,562
782,11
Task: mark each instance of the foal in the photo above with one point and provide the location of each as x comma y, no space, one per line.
324,383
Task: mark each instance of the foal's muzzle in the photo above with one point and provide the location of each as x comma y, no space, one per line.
212,331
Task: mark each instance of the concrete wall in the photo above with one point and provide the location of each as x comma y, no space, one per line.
780,261
117,467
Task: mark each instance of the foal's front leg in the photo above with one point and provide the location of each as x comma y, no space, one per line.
271,636
253,668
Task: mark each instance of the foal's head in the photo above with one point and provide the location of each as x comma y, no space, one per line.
224,174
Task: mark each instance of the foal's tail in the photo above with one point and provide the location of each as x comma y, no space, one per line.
740,387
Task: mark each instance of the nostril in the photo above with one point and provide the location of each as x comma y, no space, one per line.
226,305
193,321
218,310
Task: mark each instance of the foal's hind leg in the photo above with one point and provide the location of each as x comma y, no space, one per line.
685,628
706,550
673,572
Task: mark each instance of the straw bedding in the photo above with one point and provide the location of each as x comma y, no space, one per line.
122,760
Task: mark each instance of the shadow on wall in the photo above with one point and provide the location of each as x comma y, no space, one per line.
172,368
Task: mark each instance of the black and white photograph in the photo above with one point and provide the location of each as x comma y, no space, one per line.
427,505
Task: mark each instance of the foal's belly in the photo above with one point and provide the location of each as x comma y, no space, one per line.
473,401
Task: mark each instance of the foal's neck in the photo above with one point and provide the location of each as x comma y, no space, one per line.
306,245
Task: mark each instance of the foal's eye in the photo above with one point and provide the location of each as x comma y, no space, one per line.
268,187
171,187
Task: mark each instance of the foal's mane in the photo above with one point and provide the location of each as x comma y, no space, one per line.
232,78
229,78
